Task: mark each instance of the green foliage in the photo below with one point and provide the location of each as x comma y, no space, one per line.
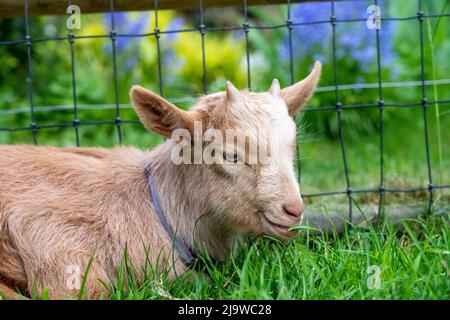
412,260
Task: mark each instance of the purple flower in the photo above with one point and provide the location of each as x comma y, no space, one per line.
170,59
175,24
124,25
307,37
353,39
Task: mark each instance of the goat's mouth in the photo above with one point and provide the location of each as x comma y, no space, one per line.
279,229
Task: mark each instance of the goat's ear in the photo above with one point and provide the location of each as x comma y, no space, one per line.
299,93
157,114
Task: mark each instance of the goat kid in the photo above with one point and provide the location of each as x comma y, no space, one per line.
62,208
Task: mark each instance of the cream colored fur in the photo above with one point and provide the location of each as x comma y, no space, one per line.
60,207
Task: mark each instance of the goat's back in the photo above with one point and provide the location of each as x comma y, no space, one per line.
59,206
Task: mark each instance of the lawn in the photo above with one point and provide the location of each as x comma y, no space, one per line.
407,261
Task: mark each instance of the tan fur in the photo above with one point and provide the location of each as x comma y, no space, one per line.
8,293
60,207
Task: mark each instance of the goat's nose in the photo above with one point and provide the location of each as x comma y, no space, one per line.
294,208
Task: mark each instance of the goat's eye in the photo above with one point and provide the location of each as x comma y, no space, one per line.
231,157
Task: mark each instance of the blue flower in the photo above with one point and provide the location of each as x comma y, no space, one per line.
170,59
175,24
124,25
353,39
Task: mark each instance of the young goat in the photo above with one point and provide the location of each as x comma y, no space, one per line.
63,208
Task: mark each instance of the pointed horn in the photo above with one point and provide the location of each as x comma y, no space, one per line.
232,92
296,95
275,88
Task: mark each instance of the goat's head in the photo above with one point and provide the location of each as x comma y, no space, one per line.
253,182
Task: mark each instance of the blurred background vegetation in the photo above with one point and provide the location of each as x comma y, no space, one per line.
225,52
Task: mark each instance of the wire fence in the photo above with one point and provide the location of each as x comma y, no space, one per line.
246,27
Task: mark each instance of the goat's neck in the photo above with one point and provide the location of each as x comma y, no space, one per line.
184,191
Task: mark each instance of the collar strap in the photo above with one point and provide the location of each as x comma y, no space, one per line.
187,256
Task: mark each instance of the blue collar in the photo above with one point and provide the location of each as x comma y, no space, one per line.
187,256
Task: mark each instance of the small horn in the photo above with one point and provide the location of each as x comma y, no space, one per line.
275,88
233,93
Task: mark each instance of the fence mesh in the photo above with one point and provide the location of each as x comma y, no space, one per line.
339,107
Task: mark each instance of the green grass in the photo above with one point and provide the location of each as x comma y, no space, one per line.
413,260
405,164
